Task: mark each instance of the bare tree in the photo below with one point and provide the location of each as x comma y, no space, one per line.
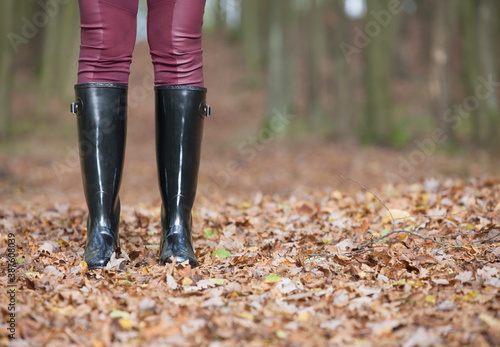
6,67
279,74
439,74
378,124
343,109
487,42
315,53
250,36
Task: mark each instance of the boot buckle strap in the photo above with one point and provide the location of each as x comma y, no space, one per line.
205,110
75,106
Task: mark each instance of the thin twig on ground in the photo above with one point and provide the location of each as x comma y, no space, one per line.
393,229
400,231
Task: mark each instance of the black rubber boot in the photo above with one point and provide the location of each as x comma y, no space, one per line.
180,111
101,110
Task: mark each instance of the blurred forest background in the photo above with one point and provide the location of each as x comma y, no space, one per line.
379,71
416,80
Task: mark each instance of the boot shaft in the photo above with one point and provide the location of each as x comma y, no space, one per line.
180,111
101,110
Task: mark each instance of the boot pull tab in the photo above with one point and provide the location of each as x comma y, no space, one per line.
76,106
205,109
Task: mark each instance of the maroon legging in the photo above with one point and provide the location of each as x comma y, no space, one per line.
108,34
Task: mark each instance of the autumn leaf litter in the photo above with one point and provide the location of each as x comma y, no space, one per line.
315,268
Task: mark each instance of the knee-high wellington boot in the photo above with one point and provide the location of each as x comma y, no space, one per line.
180,111
101,110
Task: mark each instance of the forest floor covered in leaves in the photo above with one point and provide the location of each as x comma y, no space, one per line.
307,270
294,250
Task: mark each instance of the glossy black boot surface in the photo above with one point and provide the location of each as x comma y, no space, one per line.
101,110
180,111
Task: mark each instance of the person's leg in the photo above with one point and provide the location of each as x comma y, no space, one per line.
108,33
107,40
174,35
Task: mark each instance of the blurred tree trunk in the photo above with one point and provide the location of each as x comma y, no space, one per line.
251,44
488,57
378,124
472,66
6,68
279,74
439,77
264,19
69,50
23,13
343,102
315,53
424,12
220,15
496,32
47,65
59,58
